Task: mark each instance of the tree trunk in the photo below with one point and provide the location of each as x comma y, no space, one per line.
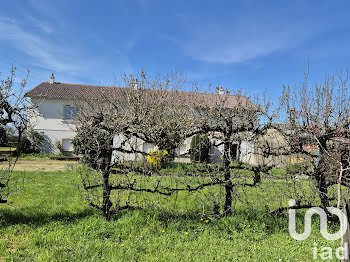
257,177
322,190
228,185
106,195
106,202
320,176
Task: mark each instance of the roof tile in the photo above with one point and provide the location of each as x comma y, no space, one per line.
80,92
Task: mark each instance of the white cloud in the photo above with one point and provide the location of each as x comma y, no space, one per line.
44,27
245,38
44,54
43,51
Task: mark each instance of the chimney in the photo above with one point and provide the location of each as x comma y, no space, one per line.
52,79
134,84
220,90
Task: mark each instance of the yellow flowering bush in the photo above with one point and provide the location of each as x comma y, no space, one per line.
157,158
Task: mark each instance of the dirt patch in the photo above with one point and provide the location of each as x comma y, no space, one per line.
43,165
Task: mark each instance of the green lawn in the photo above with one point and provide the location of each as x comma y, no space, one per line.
49,221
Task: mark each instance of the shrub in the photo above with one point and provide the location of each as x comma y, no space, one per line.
295,168
59,147
30,142
3,137
157,158
200,146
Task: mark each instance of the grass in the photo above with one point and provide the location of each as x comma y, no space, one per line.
39,155
48,221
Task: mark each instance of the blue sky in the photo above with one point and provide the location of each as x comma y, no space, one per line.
255,45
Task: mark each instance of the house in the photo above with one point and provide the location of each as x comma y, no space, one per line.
55,110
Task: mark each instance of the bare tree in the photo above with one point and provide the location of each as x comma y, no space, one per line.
231,118
157,111
109,126
113,127
13,115
317,131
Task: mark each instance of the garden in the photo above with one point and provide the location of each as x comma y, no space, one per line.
48,220
168,175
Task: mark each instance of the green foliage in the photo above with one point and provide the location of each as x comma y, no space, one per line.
177,168
40,155
295,168
59,146
8,136
30,142
200,146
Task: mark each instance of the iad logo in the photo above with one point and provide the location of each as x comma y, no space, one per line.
323,222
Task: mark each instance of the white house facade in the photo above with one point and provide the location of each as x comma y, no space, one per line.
55,110
53,118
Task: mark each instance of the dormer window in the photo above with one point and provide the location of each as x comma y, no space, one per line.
70,112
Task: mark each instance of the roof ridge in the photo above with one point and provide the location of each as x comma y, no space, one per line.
64,83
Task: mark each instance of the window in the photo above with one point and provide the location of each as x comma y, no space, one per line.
67,145
70,112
